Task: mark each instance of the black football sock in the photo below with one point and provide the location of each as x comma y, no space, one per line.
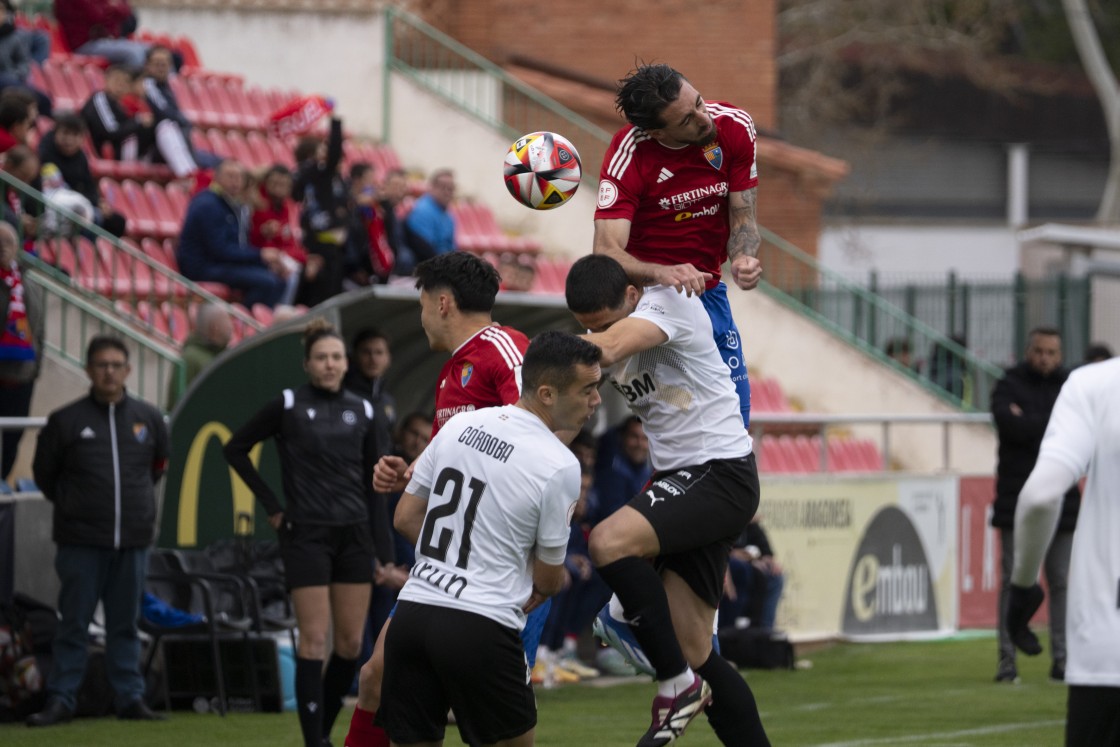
733,712
309,700
644,603
336,683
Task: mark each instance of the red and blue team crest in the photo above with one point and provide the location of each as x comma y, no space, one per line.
465,373
140,432
714,154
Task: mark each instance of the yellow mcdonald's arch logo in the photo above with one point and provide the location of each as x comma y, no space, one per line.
243,499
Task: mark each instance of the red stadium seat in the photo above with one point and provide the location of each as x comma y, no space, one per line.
259,148
58,86
142,220
168,221
187,50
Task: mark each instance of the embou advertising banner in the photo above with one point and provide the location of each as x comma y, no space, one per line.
865,558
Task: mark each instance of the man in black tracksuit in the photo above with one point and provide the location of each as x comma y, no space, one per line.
97,460
1021,405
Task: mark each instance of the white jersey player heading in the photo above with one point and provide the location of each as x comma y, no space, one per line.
680,388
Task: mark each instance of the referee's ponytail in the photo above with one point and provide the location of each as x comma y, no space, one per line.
318,329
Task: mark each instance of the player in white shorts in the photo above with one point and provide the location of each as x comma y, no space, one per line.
1083,433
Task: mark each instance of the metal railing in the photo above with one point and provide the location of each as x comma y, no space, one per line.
114,279
822,423
994,314
481,89
78,319
870,322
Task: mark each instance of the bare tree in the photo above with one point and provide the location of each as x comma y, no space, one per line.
843,62
1108,90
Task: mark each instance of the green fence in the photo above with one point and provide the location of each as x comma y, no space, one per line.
74,320
478,87
869,321
109,281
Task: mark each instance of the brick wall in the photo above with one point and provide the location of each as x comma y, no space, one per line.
726,48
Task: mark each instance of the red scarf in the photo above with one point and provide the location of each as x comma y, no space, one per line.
16,343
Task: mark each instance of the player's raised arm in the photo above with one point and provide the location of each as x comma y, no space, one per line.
611,237
625,338
744,239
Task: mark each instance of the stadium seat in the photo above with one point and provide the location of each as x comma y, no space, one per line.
259,148
142,219
168,221
58,86
240,150
187,49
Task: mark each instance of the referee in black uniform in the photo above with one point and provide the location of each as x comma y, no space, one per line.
328,445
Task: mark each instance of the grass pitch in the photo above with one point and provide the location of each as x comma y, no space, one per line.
936,694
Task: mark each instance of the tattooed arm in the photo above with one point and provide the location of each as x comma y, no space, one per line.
743,243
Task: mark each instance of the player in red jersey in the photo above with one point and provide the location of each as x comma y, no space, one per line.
677,198
457,292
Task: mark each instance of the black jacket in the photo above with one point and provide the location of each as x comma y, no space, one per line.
108,122
328,445
1020,437
96,503
74,169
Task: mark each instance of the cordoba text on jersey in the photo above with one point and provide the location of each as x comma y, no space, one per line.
491,446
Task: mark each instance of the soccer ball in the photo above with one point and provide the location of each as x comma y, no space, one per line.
542,170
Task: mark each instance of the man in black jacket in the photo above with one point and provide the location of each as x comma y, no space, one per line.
62,146
97,461
1021,405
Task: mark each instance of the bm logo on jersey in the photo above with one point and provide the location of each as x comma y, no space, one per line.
466,373
640,386
714,154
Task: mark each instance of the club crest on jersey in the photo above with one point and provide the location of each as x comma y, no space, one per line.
140,432
466,373
714,154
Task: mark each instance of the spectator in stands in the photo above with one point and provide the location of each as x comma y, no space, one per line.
272,223
1021,405
394,188
213,244
950,371
158,66
134,136
21,342
62,147
898,350
622,467
16,59
213,329
325,217
518,271
754,581
1096,352
21,211
18,113
100,28
429,227
369,258
370,358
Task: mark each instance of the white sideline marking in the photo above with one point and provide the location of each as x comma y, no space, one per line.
996,729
